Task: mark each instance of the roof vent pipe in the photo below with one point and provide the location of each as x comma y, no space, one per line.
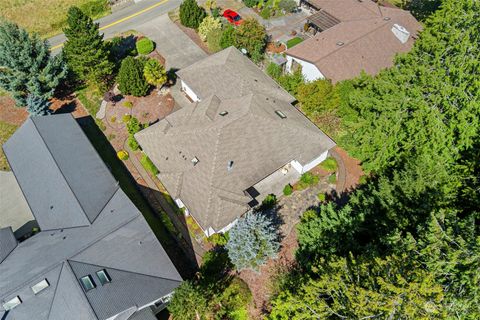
401,33
230,165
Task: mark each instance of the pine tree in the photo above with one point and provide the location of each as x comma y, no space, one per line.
191,14
85,51
252,240
131,79
37,106
26,65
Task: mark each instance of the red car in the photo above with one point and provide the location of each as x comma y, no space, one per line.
232,17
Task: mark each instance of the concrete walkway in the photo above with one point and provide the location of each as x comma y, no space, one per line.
159,201
173,44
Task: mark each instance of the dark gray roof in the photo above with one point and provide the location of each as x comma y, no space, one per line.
251,134
53,152
13,206
118,239
7,242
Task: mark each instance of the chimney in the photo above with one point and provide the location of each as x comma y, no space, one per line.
401,33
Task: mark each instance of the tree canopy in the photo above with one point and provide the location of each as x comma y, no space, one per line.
191,14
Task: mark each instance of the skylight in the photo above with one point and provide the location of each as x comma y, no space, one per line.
103,277
195,160
281,114
42,285
223,113
12,303
87,283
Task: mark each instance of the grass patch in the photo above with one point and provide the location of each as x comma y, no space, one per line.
148,165
293,42
91,99
330,164
48,17
6,131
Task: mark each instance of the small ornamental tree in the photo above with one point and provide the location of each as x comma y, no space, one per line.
85,51
26,66
37,106
131,79
253,239
155,73
191,14
207,25
251,35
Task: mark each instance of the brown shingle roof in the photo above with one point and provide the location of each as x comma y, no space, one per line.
365,31
251,135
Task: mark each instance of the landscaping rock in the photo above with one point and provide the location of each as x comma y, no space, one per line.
101,113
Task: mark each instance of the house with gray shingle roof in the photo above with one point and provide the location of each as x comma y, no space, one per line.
95,256
240,140
352,36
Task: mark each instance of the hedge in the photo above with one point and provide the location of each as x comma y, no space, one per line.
144,46
148,165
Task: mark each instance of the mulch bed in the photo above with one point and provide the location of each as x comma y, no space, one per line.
352,167
192,34
10,113
272,48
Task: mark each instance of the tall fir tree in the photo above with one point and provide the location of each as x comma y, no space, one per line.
191,14
26,65
85,51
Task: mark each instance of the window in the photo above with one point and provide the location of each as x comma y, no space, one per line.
12,303
87,283
40,286
103,277
280,114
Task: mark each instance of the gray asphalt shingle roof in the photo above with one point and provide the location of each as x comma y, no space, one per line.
251,134
118,239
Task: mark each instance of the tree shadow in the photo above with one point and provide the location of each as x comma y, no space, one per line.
68,107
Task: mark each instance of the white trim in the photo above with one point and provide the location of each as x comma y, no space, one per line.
181,205
297,166
312,164
189,92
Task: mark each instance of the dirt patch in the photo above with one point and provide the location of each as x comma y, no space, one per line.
192,34
260,283
11,114
155,106
353,169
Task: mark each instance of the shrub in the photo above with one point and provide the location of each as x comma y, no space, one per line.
213,40
253,239
155,73
215,12
218,239
148,165
207,25
269,202
266,13
131,79
122,155
113,119
133,125
128,104
292,82
330,164
132,143
126,118
332,179
287,190
287,5
307,179
293,42
188,302
250,3
321,197
274,70
228,37
191,14
144,46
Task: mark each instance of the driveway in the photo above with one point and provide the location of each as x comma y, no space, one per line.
173,44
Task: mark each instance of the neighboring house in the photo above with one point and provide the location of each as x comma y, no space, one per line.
241,140
95,256
352,35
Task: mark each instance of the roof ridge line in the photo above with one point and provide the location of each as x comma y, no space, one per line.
55,291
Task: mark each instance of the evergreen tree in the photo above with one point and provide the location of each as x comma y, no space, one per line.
155,73
191,14
252,240
131,79
188,302
37,106
85,51
26,65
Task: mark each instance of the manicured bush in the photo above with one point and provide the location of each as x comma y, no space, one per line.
131,79
191,14
122,155
128,104
329,164
293,42
144,46
132,143
253,239
307,179
148,165
155,73
321,197
207,25
288,190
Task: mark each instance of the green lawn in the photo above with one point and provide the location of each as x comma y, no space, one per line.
48,17
293,42
6,130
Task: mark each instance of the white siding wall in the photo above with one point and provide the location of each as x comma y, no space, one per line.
310,71
297,166
180,204
309,166
189,92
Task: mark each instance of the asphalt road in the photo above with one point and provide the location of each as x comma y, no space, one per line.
125,19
